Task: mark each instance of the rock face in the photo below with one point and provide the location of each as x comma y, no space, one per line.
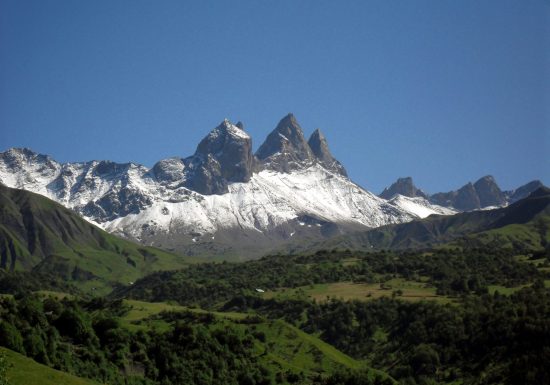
169,170
285,148
463,199
488,192
223,156
319,147
223,197
405,187
523,191
466,198
485,192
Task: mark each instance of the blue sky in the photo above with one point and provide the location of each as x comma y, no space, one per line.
443,91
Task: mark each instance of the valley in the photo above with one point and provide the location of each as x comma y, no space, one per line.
334,311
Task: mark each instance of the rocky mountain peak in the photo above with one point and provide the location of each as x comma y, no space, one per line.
540,191
523,191
18,156
224,155
26,166
225,133
285,148
319,146
466,198
405,187
169,170
488,192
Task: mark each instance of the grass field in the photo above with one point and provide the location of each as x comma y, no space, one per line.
136,318
289,348
25,371
411,291
503,289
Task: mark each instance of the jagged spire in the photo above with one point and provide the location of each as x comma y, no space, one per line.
285,148
224,155
488,192
403,186
319,146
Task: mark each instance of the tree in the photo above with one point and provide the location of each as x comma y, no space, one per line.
10,337
4,366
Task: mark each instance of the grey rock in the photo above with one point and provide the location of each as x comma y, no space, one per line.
205,175
464,199
488,192
319,146
117,203
405,187
223,156
285,148
523,191
169,170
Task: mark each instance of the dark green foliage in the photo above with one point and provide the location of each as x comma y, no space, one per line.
10,337
354,377
505,338
86,339
502,338
23,282
451,271
4,366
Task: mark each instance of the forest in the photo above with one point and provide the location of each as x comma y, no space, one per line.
487,320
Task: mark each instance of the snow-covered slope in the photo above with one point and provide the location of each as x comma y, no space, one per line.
419,207
223,194
268,200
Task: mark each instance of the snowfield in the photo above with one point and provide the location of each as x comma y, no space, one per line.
129,200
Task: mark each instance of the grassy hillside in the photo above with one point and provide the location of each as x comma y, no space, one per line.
282,346
25,371
40,235
135,342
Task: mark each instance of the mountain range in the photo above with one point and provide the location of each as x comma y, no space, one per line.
39,235
522,225
484,193
224,200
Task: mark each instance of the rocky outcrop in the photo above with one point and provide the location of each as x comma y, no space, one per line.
405,187
488,192
319,147
285,148
523,191
223,156
169,170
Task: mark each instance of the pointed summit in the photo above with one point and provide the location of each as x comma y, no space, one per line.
319,146
523,191
467,198
224,155
488,192
403,186
285,148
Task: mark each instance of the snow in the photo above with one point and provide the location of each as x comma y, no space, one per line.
236,131
268,200
419,207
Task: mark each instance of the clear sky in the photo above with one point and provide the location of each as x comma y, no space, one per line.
444,91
